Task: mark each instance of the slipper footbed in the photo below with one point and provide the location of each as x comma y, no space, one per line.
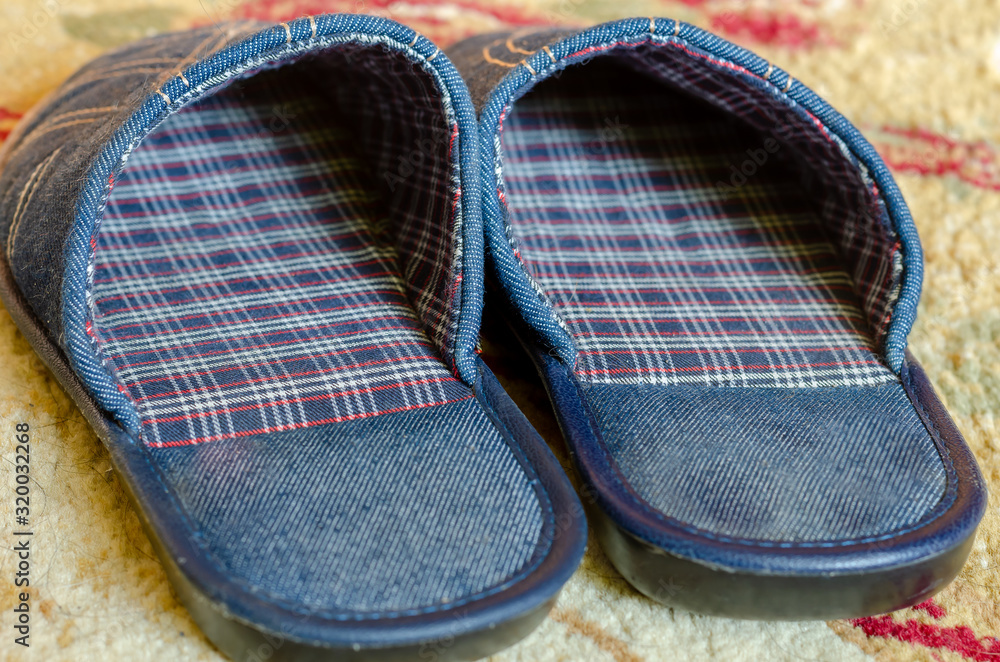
249,296
722,347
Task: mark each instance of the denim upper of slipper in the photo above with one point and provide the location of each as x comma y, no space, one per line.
67,156
717,274
254,256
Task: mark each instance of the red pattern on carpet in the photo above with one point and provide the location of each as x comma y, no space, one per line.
959,639
425,16
8,119
771,28
923,152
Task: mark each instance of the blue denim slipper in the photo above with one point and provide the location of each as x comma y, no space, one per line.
716,275
253,256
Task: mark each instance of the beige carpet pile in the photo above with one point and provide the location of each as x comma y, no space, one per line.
921,78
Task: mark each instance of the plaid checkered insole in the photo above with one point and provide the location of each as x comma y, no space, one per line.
665,265
241,284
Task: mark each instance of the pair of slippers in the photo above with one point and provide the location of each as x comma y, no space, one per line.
256,257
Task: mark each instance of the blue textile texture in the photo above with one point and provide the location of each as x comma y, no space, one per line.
261,252
677,245
405,513
727,274
246,277
773,464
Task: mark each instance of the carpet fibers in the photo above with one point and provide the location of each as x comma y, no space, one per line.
922,81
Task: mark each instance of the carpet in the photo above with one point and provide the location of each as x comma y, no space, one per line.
921,79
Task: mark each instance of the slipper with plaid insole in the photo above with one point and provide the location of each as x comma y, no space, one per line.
253,256
716,274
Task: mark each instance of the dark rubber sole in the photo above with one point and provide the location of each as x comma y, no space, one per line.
240,641
717,590
235,638
682,583
246,627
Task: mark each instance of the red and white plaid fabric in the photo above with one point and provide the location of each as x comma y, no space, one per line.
247,277
664,266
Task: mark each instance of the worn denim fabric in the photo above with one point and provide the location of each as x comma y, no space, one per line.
774,464
186,221
671,316
404,513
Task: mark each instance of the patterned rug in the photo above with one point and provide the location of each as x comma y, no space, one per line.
921,79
